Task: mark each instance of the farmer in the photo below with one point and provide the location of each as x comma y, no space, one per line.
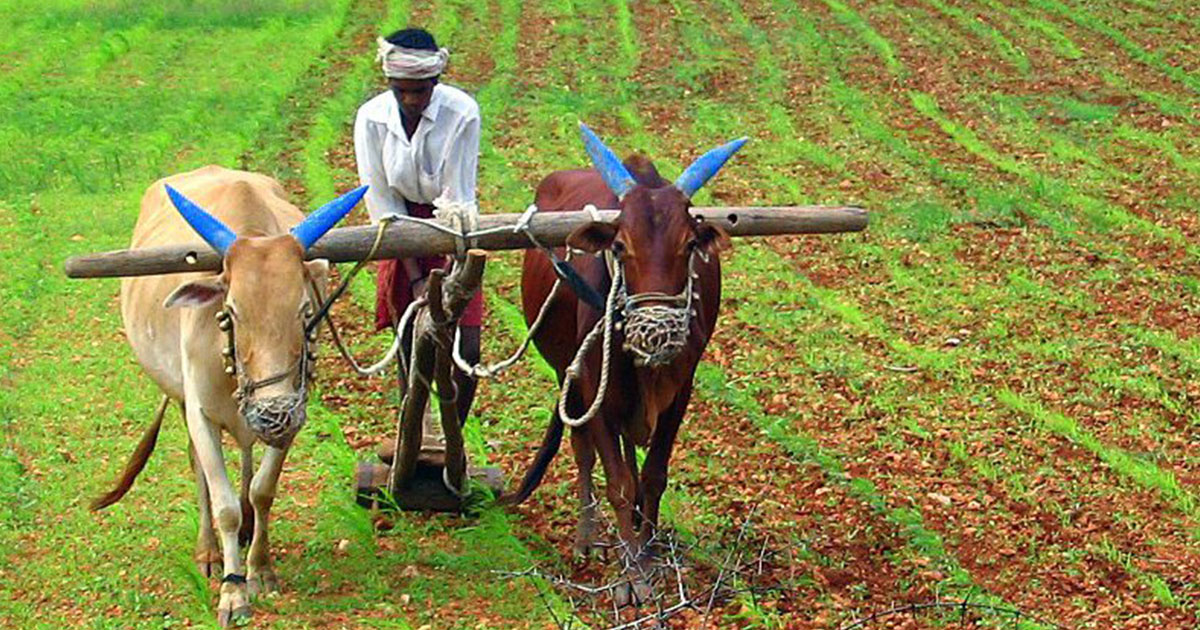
417,147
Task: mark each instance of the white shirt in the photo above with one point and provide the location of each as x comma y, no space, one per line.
440,160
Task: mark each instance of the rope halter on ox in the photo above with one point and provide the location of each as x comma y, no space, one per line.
274,420
656,325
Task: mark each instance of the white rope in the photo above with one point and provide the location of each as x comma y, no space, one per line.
462,217
605,326
479,370
394,349
482,371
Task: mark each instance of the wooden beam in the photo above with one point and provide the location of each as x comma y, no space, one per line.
406,239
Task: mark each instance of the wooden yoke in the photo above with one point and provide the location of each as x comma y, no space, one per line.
412,239
433,341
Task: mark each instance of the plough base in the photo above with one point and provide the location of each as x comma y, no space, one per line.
426,491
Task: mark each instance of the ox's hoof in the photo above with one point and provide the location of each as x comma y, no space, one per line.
262,583
234,607
635,592
586,539
642,590
585,545
584,550
623,595
233,617
209,563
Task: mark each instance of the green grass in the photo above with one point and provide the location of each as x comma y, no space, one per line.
1148,58
981,29
1143,473
879,44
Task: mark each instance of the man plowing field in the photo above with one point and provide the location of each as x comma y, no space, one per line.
417,147
624,328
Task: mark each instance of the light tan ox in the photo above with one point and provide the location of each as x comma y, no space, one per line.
179,326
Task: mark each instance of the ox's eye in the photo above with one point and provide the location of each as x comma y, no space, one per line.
618,248
692,245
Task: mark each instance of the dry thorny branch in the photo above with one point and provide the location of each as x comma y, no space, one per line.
686,583
680,582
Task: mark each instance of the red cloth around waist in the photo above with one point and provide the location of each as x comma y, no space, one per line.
393,293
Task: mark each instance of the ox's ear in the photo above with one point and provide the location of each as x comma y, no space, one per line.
318,270
711,238
197,293
593,237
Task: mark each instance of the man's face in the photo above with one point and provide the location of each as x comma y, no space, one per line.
412,94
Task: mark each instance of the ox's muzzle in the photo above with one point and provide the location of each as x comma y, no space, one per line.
655,334
275,419
657,325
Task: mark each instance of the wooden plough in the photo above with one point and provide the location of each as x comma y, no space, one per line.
423,471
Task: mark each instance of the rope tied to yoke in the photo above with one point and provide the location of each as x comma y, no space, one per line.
656,325
323,313
460,220
604,327
481,371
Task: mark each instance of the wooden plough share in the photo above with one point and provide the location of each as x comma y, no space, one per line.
415,477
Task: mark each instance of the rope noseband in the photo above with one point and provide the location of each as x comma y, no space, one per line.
652,341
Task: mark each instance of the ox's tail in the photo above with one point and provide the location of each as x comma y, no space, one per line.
541,462
136,463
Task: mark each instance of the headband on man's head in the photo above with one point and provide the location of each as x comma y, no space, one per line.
411,63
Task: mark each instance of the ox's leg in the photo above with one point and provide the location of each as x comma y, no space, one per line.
208,554
654,474
631,461
246,531
234,603
621,488
585,460
262,494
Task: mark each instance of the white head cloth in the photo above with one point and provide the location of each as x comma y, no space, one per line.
411,63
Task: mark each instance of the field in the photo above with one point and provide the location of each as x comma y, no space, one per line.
989,394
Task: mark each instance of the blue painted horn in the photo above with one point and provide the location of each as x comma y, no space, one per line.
318,223
307,232
706,166
206,225
611,169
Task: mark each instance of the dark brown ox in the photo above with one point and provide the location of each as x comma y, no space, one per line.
655,244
